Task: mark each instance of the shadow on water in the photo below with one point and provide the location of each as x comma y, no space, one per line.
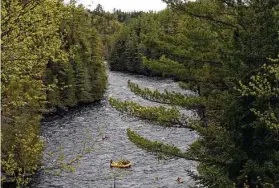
70,131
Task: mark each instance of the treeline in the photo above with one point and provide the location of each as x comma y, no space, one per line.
125,17
108,24
82,78
151,35
227,51
52,58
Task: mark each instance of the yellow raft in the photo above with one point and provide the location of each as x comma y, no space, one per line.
121,164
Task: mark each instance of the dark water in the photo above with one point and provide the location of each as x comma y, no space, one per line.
71,131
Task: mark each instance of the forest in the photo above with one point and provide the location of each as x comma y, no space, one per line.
225,51
52,59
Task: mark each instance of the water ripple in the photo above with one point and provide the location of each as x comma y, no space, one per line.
70,131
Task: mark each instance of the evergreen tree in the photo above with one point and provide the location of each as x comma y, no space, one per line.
212,45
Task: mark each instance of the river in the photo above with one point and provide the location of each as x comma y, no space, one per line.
71,131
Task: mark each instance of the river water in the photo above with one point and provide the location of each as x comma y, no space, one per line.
69,133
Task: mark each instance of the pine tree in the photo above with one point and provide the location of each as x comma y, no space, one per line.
223,43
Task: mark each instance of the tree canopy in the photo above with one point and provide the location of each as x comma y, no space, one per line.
227,51
51,59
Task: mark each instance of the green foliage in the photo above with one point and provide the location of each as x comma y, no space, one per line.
187,86
125,52
155,146
86,46
225,51
173,98
264,88
162,115
106,24
166,67
82,78
51,58
125,17
239,123
130,44
29,38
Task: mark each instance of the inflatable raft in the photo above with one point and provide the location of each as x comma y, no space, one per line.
120,164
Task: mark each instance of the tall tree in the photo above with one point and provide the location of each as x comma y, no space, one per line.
51,59
30,37
214,45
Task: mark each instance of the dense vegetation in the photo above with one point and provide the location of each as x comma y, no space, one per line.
173,98
106,24
163,115
82,78
52,58
227,51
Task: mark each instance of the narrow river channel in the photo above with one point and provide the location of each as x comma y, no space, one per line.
69,133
